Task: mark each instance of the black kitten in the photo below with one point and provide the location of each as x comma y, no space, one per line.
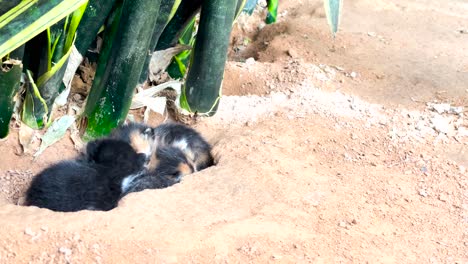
92,184
138,135
189,141
171,167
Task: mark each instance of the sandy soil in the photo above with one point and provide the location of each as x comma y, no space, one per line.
329,151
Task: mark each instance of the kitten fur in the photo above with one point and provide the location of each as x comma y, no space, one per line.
138,135
171,167
189,141
92,184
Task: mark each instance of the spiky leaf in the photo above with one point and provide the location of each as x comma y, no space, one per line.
272,11
202,88
333,11
10,76
125,46
29,18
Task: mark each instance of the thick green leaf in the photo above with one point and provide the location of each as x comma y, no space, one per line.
126,43
333,11
35,109
179,64
31,17
93,18
166,10
10,76
45,87
239,7
202,88
6,5
182,17
272,11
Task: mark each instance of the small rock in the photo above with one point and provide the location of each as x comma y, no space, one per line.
354,222
261,25
380,76
347,156
462,132
462,169
342,224
456,110
276,257
29,232
250,61
440,124
77,97
65,251
313,199
293,53
339,68
440,108
443,197
353,75
76,237
371,34
423,193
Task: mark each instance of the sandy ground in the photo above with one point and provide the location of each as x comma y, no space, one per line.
329,151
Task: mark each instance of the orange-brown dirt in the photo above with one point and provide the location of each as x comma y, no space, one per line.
329,151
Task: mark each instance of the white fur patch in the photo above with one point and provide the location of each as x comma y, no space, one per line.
181,144
127,181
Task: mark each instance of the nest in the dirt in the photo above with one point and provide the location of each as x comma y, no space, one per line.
13,184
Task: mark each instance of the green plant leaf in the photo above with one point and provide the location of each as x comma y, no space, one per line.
34,106
187,10
178,66
272,11
166,11
10,76
333,12
31,17
119,67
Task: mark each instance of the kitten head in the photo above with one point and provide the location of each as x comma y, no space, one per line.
140,137
114,153
172,163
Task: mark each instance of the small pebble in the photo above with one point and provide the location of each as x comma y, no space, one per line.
423,193
77,97
443,197
29,232
276,257
462,169
292,53
250,61
65,251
